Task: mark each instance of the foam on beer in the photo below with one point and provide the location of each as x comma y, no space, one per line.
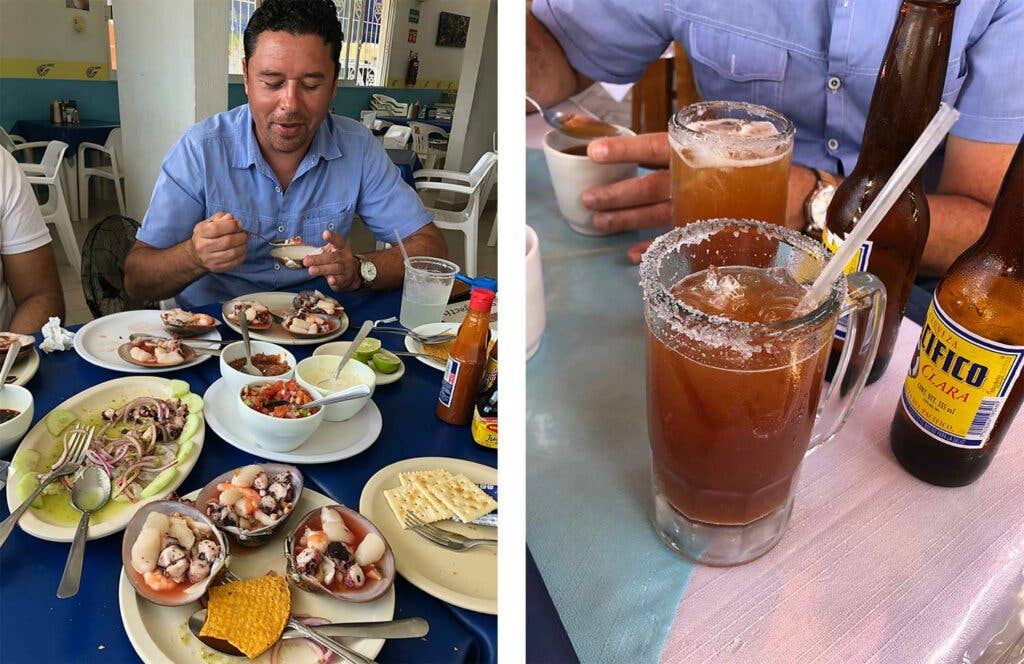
715,143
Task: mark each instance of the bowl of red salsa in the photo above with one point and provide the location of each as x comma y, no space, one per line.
273,411
16,408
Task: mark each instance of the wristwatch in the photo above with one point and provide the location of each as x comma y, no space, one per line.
816,205
367,272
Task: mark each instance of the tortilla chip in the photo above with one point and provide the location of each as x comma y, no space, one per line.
249,614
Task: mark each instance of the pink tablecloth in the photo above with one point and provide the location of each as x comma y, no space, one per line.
876,566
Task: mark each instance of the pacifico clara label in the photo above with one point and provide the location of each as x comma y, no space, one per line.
958,381
859,263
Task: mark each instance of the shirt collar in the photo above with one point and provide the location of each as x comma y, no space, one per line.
247,152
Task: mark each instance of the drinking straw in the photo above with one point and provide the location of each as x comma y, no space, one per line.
401,245
908,169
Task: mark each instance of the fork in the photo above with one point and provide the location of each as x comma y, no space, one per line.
422,338
450,541
78,445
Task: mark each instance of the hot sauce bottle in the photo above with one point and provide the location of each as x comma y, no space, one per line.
467,361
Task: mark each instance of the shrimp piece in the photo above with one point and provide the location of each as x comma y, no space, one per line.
202,320
249,495
140,355
159,581
317,540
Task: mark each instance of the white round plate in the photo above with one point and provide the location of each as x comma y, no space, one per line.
160,634
25,367
113,393
97,342
468,579
281,305
332,441
414,346
341,347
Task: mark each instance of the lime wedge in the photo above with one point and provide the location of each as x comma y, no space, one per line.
367,348
385,361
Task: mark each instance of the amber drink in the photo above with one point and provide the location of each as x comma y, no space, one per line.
735,379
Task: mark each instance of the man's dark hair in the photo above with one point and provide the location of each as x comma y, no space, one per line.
296,17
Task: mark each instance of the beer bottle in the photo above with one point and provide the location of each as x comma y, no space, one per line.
906,96
964,385
467,361
485,417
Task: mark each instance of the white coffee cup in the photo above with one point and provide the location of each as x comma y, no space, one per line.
571,175
535,316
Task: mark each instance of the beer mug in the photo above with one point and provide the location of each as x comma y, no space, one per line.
735,379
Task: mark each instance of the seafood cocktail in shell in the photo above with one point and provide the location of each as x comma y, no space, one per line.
156,352
187,324
291,255
306,324
256,314
8,338
251,503
337,551
172,552
316,302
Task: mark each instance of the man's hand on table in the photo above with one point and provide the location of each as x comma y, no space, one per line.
336,263
219,243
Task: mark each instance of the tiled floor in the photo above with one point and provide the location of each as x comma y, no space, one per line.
361,239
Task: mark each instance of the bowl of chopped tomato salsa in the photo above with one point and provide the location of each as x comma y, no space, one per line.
273,410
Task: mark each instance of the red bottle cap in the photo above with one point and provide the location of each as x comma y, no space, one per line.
481,299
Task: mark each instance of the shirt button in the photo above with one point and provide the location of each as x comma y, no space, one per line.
280,229
330,226
834,83
277,266
832,144
277,189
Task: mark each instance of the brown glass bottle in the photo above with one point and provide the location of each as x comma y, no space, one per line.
980,302
906,96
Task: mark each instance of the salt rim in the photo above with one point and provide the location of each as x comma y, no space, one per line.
715,143
714,330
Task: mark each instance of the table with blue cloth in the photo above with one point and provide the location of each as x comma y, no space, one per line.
86,131
404,121
38,627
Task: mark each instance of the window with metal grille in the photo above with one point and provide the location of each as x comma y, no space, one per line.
241,12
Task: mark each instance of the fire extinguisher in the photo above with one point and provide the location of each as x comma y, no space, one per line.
413,70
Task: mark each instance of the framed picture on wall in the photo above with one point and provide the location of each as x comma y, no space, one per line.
452,30
77,4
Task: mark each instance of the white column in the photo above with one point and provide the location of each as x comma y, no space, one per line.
476,106
172,72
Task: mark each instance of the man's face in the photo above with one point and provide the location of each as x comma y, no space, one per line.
290,81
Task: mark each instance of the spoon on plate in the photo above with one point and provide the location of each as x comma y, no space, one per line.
89,493
364,330
576,125
357,392
404,628
248,367
12,355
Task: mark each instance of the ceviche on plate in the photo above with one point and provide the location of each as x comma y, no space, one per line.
282,398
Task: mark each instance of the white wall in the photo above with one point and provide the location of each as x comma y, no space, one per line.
437,63
476,107
31,29
172,72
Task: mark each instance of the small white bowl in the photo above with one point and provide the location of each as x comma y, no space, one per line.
235,379
276,434
354,372
15,397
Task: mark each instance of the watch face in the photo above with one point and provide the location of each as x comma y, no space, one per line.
367,270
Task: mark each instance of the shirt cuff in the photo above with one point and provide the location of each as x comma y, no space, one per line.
404,230
27,244
989,130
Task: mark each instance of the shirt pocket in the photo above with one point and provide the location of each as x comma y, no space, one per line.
336,218
731,66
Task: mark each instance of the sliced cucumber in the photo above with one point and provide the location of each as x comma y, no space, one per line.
179,388
192,423
159,482
58,420
193,401
26,485
184,449
25,461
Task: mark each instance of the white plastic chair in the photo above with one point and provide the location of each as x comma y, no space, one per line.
421,133
55,210
112,149
15,144
10,142
476,185
397,137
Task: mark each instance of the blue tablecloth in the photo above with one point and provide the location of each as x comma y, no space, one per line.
404,121
35,626
86,131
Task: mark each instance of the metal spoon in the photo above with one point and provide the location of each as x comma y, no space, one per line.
248,367
89,493
405,628
364,330
357,392
576,125
9,359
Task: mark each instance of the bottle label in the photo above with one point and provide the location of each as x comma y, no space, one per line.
958,381
859,263
485,430
451,376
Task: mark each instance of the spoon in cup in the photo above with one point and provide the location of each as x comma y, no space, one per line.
89,493
576,125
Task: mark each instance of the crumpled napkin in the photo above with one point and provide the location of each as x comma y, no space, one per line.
56,337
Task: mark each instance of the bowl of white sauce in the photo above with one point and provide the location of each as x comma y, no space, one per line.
311,371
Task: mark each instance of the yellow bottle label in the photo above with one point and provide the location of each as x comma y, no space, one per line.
859,263
958,381
485,430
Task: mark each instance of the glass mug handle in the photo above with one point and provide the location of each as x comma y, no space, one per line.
865,307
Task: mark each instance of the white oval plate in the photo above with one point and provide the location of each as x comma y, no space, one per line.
160,634
468,579
281,305
414,346
115,392
97,342
341,347
26,367
332,441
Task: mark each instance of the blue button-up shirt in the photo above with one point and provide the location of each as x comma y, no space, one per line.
217,166
814,61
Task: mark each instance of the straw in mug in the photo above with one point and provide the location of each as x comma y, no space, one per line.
401,245
919,153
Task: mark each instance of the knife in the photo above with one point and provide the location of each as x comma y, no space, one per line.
4,465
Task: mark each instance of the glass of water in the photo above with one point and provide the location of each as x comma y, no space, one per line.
427,287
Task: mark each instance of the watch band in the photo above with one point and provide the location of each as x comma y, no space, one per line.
816,203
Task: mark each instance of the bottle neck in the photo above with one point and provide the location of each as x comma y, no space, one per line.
909,85
1006,224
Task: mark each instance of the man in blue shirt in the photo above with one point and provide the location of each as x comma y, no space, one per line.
282,167
815,62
